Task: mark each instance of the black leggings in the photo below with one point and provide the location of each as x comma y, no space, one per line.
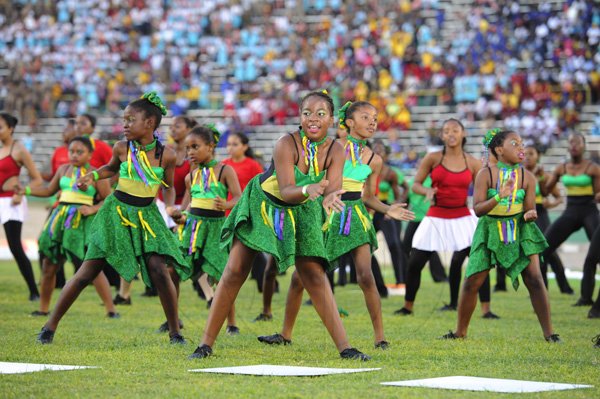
416,263
391,231
589,269
435,264
543,222
572,219
12,228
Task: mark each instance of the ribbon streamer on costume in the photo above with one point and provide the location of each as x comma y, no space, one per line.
366,222
75,175
138,159
124,220
145,226
505,175
507,230
70,215
275,218
207,174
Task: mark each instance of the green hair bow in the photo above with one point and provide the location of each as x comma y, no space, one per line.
153,97
342,115
214,130
489,136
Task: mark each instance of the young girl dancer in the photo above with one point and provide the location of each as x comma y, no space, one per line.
13,155
85,125
279,214
128,232
581,178
207,188
66,232
449,224
351,231
179,129
504,200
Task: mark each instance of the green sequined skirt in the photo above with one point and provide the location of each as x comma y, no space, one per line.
199,240
348,230
286,232
488,247
65,233
126,235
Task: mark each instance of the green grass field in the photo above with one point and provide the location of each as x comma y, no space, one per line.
135,361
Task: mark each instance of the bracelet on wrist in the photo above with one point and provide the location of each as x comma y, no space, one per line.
497,197
27,190
305,190
96,175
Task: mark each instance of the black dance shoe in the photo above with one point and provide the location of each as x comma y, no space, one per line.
450,335
201,352
447,308
263,317
275,339
164,327
354,354
383,345
119,300
45,336
39,313
490,315
403,312
554,339
232,330
177,339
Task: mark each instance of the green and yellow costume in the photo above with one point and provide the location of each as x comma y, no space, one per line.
263,221
502,237
202,229
352,227
128,228
66,231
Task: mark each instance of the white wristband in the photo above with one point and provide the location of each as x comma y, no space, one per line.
305,190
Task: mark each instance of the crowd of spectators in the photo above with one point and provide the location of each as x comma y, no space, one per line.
530,66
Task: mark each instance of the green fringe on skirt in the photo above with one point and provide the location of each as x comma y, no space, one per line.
488,249
341,237
198,240
286,232
126,235
65,233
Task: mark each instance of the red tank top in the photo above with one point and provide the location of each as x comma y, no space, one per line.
8,168
179,175
452,191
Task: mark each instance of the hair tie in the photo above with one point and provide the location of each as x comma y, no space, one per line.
215,131
487,140
153,97
342,115
324,91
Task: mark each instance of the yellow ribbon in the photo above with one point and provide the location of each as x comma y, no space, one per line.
146,162
145,226
55,221
124,220
77,219
366,222
500,231
129,162
264,214
292,219
196,235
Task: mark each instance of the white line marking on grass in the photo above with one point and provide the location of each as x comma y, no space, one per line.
18,368
280,371
486,384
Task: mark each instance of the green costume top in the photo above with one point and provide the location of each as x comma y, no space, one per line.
577,186
131,183
205,191
355,176
270,185
71,194
418,203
